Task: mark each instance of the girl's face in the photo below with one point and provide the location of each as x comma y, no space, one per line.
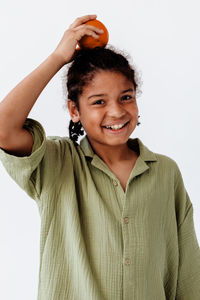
109,99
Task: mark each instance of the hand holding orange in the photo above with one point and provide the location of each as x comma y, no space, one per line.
91,42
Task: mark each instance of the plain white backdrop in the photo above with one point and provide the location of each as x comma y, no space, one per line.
162,37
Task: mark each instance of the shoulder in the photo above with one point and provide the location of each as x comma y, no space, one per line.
160,159
168,165
54,144
62,143
166,160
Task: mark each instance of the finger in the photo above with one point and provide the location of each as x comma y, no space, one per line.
90,27
92,33
84,32
82,20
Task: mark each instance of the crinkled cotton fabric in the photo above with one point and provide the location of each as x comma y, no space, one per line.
99,242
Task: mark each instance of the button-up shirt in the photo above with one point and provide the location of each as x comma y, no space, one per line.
99,242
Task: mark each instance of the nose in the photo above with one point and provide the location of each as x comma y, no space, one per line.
115,110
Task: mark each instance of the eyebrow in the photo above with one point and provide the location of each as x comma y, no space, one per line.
99,95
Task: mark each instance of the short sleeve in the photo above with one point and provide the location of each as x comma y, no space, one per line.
26,171
188,284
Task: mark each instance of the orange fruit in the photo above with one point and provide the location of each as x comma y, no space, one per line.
88,41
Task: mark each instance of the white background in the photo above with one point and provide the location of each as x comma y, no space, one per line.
162,37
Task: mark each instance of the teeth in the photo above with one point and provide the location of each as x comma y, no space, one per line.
115,126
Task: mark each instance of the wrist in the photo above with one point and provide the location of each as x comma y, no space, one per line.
58,59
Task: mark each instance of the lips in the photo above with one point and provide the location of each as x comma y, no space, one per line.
115,124
117,131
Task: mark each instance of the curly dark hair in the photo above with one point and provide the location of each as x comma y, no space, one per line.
85,64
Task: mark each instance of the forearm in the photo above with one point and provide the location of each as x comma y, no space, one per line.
15,107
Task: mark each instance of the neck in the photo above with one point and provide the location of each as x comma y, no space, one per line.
113,155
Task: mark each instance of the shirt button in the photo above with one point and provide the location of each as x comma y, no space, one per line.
127,261
115,182
126,220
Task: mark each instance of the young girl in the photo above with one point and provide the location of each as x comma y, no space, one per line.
116,219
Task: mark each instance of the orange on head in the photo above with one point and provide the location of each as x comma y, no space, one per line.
89,41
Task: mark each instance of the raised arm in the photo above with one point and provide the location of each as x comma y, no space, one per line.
15,107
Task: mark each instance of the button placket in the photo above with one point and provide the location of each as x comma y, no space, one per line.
115,182
126,220
127,261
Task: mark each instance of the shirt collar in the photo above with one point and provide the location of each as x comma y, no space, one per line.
134,143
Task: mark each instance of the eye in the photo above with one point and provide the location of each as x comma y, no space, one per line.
130,97
97,101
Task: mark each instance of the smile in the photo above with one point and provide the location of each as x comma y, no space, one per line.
116,128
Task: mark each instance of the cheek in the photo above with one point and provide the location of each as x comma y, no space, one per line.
90,120
133,111
136,109
93,117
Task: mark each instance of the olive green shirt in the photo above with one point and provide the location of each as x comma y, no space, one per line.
97,241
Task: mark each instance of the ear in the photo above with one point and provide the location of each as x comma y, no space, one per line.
74,113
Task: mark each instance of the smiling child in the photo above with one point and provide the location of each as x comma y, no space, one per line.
116,219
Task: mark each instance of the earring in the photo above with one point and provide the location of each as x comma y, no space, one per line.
138,122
